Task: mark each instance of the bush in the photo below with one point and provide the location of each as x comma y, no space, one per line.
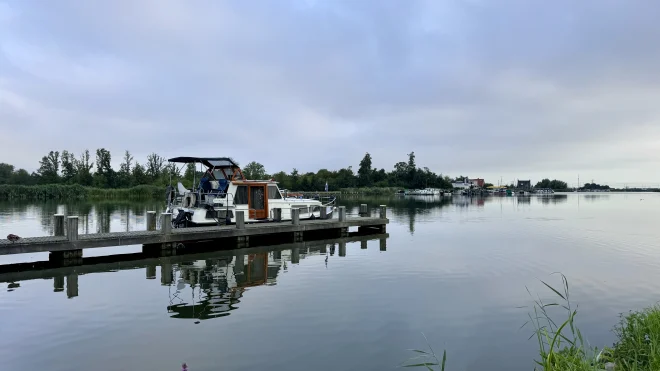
77,192
638,345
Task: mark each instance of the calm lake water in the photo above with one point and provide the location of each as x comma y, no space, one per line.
455,269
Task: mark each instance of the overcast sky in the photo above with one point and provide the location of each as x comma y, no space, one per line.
518,89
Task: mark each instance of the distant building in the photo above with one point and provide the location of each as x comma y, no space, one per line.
477,182
524,185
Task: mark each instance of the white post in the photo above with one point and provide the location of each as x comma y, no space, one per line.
383,211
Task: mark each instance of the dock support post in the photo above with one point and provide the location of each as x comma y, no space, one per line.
151,270
242,241
240,220
363,210
166,277
383,244
58,283
324,212
239,264
295,216
277,255
72,285
58,224
298,236
383,211
342,213
151,220
72,228
342,249
166,223
295,255
363,244
277,214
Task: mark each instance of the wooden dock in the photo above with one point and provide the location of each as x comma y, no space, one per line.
68,244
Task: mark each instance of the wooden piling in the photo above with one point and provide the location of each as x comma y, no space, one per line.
342,249
363,210
72,285
72,228
342,213
58,224
240,220
295,255
295,216
151,220
383,244
363,245
383,211
166,223
324,212
277,214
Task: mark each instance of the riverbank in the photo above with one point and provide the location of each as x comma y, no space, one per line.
78,192
561,345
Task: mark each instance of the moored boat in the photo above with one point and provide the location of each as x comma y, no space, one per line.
223,190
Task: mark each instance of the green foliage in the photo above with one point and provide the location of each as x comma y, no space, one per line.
76,192
554,184
254,171
638,345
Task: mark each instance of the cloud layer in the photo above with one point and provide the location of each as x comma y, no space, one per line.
518,89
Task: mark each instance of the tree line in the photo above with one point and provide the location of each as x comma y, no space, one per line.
67,168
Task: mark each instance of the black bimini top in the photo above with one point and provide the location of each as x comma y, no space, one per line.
207,161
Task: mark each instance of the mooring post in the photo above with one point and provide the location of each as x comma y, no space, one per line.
166,223
277,214
166,274
277,255
58,224
363,244
383,244
295,216
342,213
240,220
72,228
324,212
363,210
383,211
151,220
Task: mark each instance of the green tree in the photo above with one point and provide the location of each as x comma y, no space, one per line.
68,167
365,171
155,165
105,176
139,174
124,176
49,168
6,173
84,169
255,171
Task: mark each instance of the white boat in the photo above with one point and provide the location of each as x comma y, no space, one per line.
422,192
544,191
223,190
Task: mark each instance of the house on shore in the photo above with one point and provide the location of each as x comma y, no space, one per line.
524,185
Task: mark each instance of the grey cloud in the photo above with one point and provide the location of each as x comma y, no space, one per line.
471,86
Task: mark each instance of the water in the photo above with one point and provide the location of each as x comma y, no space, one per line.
454,269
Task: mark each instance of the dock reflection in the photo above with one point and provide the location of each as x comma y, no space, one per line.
201,285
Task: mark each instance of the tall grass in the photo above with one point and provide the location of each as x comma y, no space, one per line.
561,346
77,192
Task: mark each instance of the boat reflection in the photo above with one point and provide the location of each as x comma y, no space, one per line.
201,286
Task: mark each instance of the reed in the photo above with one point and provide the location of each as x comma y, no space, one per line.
77,192
561,346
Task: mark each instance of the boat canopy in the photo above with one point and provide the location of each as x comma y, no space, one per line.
210,162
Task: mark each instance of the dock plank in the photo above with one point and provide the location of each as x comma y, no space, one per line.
96,240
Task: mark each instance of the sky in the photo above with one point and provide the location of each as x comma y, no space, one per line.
507,89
